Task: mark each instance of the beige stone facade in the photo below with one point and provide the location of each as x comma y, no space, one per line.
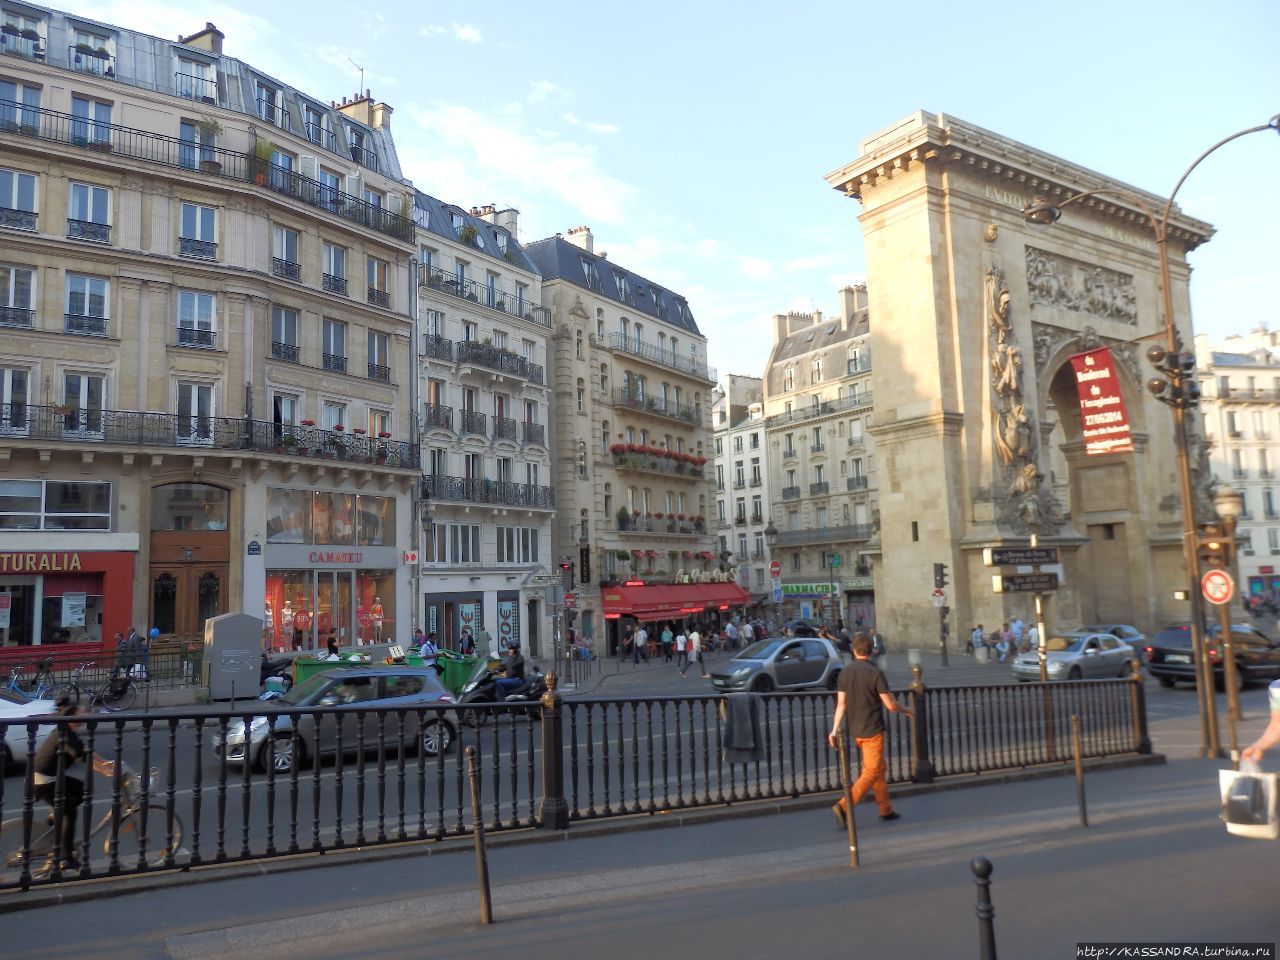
741,453
977,427
221,334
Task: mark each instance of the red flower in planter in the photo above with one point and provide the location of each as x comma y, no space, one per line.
338,428
384,435
618,448
307,423
357,430
659,515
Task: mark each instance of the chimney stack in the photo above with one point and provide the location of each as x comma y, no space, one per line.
581,237
210,39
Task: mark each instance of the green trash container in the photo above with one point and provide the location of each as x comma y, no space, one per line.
456,670
304,668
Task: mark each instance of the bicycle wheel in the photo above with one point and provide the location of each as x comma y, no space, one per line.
69,690
144,826
118,694
11,841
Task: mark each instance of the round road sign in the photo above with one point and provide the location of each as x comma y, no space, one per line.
1217,586
570,600
939,598
775,569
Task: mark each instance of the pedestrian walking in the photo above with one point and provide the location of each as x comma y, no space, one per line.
731,633
748,633
624,647
695,654
668,640
863,696
639,650
1004,646
682,650
1270,736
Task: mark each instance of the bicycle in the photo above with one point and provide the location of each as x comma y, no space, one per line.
143,827
118,693
41,684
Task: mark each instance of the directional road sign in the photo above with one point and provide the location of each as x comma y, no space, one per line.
1024,582
1217,586
1018,556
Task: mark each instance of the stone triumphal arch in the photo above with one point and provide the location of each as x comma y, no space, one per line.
974,313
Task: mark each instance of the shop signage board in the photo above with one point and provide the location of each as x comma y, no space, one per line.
1103,418
806,589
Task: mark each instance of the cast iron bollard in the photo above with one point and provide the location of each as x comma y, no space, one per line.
846,785
477,829
921,766
1138,702
982,868
554,811
1079,760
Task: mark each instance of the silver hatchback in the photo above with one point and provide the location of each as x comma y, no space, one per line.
1074,656
780,664
361,696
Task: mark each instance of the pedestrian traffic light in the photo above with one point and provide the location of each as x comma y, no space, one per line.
939,575
1178,386
566,574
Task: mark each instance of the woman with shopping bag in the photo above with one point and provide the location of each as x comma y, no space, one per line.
1271,736
1249,796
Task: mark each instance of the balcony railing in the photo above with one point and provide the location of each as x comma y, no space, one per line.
755,482
29,47
379,298
134,144
636,523
85,230
757,555
823,409
534,433
322,137
437,415
202,249
366,158
790,493
85,326
657,464
136,428
332,284
286,268
17,219
495,358
740,520
757,518
842,534
95,61
195,88
437,348
284,351
480,490
817,447
271,112
473,422
500,300
819,489
504,428
790,453
334,362
195,337
856,483
18,318
655,405
380,373
662,356
856,441
739,484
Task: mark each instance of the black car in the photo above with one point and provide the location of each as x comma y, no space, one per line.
1169,657
802,628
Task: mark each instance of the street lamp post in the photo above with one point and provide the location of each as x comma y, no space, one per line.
1229,504
771,540
1179,396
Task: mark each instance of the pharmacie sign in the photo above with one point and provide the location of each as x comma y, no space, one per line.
1103,419
806,589
39,563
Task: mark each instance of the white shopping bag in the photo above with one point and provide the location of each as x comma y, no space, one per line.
1249,801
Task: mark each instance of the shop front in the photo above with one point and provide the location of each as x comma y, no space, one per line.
813,602
860,603
453,617
67,599
706,605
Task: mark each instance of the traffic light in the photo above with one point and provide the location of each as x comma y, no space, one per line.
939,575
566,574
1178,386
1212,546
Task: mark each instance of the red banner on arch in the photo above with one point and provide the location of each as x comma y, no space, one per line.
1103,418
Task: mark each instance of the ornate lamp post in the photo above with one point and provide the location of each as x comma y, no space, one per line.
1179,392
1228,503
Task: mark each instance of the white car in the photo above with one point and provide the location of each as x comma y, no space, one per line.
16,707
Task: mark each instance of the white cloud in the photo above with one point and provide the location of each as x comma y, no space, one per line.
838,281
573,121
541,90
707,246
814,262
467,33
245,32
758,268
430,30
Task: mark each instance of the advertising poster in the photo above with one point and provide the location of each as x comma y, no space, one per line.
1103,418
508,622
73,609
6,601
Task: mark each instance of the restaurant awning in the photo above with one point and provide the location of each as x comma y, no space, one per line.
669,601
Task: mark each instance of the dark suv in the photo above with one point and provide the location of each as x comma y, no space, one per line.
1169,657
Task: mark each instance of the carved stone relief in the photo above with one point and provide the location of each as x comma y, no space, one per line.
1049,339
1057,281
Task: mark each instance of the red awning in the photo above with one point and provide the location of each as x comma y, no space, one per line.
670,601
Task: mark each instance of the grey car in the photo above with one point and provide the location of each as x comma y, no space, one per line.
360,693
780,664
1076,655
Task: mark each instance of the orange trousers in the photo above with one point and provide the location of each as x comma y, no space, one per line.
872,777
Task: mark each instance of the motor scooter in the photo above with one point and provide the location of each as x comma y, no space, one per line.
281,667
482,687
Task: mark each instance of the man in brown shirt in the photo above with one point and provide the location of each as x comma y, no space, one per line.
864,695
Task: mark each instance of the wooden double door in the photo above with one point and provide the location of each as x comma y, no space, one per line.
189,581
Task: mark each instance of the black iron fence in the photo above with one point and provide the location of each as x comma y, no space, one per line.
174,792
165,665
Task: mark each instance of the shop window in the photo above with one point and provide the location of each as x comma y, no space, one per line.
54,505
288,515
189,506
377,517
333,516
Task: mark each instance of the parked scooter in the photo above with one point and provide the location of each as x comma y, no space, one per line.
482,687
281,667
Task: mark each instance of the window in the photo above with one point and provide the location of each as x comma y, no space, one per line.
589,274
335,345
195,413
16,287
433,320
379,356
737,444
330,188
1268,504
376,275
502,249
755,443
196,319
469,331
1273,540
24,46
87,299
624,287
89,213
86,395
333,415
357,144
581,397
379,423
17,197
267,100
453,543
195,80
500,339
789,379
285,409
375,198
438,462
531,476
460,275
284,251
195,145
491,290
334,267
818,475
14,397
817,438
90,121
284,333
197,233
54,505
517,544
815,370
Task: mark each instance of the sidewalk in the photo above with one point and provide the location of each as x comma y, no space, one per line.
1155,865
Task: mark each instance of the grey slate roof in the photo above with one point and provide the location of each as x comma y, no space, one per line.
1241,359
436,216
558,259
828,333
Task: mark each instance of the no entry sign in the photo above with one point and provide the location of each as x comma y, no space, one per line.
1217,586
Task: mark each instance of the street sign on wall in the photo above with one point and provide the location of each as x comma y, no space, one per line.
1024,582
1018,556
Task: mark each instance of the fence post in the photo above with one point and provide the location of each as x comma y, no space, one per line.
1138,704
981,869
553,813
921,765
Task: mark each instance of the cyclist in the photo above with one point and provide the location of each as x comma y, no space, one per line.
45,776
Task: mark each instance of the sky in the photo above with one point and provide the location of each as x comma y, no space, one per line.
693,137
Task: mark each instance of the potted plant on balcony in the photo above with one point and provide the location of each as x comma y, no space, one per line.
624,520
288,444
468,235
210,129
7,31
263,151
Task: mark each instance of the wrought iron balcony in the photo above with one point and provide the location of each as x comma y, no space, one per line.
817,447
790,493
495,358
144,429
380,373
86,59
284,351
757,518
286,268
321,137
366,158
755,482
85,326
437,415
203,249
757,555
29,47
21,120
18,318
17,219
652,463
639,523
473,422
534,433
332,284
334,362
856,441
439,487
191,87
272,113
661,356
437,348
819,489
822,409
739,484
655,405
379,298
841,534
740,519
85,230
857,482
504,428
790,453
496,298
195,337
